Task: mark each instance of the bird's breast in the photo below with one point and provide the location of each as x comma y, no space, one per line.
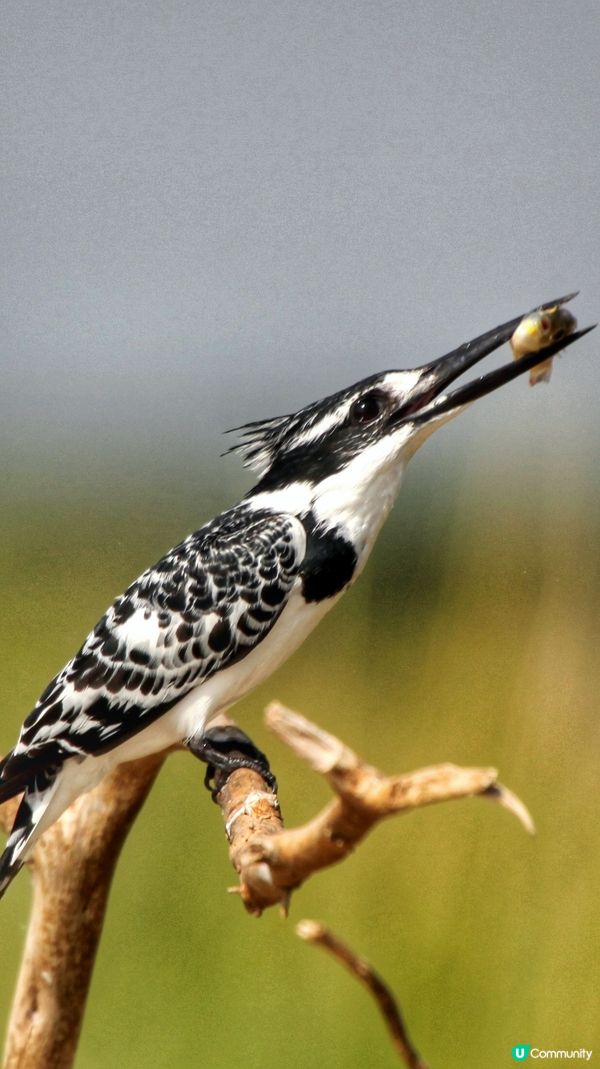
297,620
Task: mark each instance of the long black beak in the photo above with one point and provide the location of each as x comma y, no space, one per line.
437,375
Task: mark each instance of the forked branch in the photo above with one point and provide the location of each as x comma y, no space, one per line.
272,861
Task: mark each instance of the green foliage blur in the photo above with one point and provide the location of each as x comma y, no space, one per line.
471,637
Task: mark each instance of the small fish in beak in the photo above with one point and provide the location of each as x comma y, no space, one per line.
539,330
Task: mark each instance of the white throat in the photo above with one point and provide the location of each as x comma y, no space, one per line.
358,498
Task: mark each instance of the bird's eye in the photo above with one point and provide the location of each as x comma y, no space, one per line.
367,409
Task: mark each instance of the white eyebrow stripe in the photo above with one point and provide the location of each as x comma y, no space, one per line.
402,381
325,423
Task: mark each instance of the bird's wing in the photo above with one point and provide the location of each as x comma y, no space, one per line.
205,604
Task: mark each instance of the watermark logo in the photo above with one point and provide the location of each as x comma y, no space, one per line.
522,1051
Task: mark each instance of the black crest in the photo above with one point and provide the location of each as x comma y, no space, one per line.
263,440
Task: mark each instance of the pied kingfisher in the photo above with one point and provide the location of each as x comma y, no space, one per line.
221,611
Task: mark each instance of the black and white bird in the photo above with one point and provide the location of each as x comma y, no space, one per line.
219,612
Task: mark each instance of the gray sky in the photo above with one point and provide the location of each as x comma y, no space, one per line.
217,211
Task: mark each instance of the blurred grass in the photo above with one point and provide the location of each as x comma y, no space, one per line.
472,637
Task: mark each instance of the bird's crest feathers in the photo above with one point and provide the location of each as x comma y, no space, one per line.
259,441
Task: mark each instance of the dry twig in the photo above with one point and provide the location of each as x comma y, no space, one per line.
313,932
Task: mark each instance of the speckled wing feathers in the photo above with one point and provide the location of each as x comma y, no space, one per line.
203,606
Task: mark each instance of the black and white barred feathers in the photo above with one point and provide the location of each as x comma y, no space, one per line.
203,606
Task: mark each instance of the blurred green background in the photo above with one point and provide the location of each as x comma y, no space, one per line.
216,212
471,637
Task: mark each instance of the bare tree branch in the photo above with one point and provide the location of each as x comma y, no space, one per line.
318,934
271,861
73,866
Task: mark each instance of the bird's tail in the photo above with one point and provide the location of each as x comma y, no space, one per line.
28,825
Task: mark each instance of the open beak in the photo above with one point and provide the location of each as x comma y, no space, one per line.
429,399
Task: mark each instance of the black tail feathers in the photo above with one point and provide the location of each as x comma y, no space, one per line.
8,869
10,785
12,859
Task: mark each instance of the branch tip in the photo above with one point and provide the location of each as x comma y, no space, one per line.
309,930
324,753
510,801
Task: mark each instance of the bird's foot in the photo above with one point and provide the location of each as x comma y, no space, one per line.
225,749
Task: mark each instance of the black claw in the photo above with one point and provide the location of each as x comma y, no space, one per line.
225,749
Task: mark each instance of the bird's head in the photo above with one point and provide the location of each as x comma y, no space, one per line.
343,456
